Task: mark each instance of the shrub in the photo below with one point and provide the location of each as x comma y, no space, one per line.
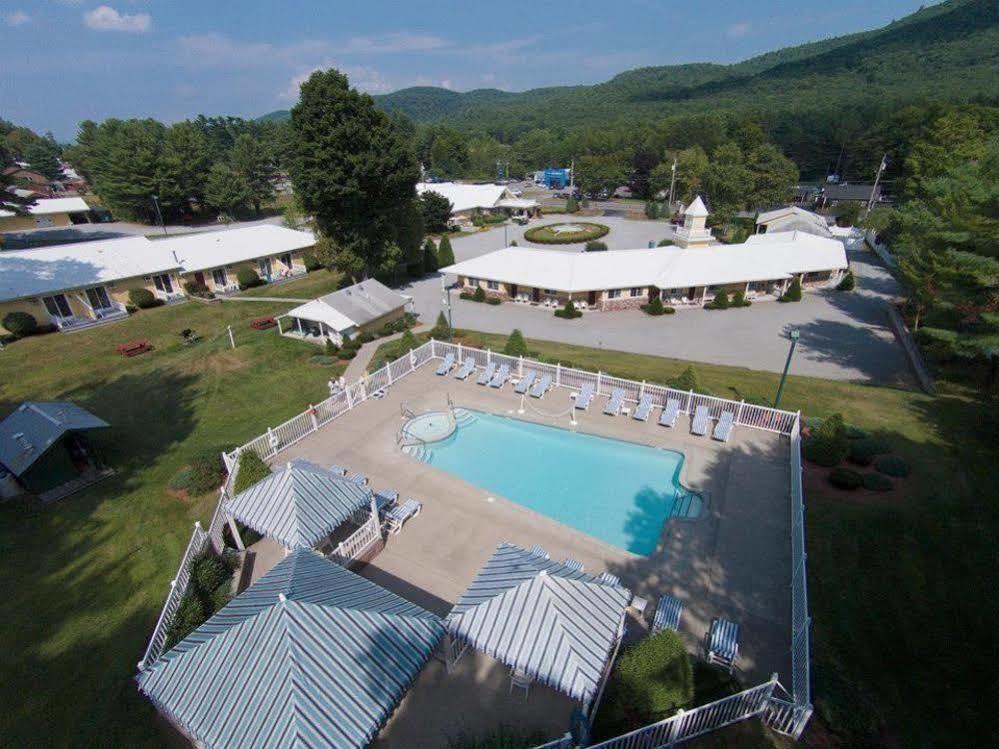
347,353
20,324
141,298
190,615
669,311
863,451
665,243
252,470
570,205
331,348
652,210
494,300
877,482
513,242
208,572
202,474
595,245
845,478
193,288
515,344
650,680
445,254
892,465
739,299
441,330
247,278
793,293
847,283
322,360
429,256
407,343
828,445
311,262
569,311
654,307
547,235
467,295
181,480
719,302
856,433
363,337
479,295
687,380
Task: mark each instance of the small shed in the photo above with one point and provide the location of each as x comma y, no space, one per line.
45,449
337,317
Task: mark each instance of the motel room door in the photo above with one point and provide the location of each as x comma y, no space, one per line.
536,295
592,299
513,291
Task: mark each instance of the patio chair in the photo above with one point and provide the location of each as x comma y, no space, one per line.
501,376
541,386
397,516
487,374
520,680
358,478
445,366
467,367
669,414
608,579
585,396
667,614
722,643
384,499
614,403
643,409
699,425
723,429
338,470
525,382
574,565
538,551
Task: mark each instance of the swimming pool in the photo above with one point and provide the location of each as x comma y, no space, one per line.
619,492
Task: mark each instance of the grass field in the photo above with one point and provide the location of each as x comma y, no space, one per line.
902,598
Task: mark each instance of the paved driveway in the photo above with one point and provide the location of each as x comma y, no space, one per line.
843,335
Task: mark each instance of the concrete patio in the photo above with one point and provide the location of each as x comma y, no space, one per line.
734,561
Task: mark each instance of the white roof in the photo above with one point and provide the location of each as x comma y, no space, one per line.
517,203
696,208
48,206
466,197
217,248
764,258
353,306
319,311
26,273
794,218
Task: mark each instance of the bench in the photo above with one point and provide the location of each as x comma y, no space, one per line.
262,323
134,348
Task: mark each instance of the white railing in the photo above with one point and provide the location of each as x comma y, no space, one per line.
565,742
801,690
178,589
360,542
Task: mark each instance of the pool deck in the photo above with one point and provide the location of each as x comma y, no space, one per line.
733,562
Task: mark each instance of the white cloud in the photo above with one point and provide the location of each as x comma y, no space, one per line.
361,77
738,30
16,18
106,18
393,43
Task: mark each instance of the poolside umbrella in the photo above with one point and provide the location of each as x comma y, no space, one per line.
298,505
542,617
311,655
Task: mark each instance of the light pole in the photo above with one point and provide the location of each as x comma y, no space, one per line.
156,204
794,335
446,300
672,184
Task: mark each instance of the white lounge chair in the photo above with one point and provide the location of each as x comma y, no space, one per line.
501,376
585,396
359,478
487,374
669,414
397,516
338,470
614,403
525,382
723,429
520,680
467,367
722,643
643,409
384,499
667,614
699,425
541,386
445,366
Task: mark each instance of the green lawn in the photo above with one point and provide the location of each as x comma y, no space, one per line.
314,285
903,599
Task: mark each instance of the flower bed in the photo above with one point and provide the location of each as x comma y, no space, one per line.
553,234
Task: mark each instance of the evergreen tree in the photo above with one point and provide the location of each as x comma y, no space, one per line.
43,155
445,255
441,330
515,344
226,191
436,210
187,159
687,380
429,256
250,160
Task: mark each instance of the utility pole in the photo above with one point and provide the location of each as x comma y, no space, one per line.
572,176
672,184
877,179
156,204
794,335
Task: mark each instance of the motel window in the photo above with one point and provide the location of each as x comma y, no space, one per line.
551,292
218,276
636,291
98,298
285,260
614,293
493,285
473,281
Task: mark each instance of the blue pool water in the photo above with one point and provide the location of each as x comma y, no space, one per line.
620,492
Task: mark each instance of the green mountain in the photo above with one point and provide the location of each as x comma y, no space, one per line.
945,52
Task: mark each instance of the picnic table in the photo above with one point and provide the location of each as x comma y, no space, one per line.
262,323
134,348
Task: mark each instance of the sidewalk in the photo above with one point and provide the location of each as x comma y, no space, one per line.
359,364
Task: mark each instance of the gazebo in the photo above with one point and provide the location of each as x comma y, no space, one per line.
301,504
544,619
311,655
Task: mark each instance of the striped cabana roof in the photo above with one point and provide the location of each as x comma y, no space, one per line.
556,624
299,504
311,655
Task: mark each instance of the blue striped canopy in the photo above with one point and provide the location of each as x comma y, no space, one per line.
541,617
299,504
311,655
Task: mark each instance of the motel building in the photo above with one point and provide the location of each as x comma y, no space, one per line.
71,286
46,213
466,200
689,274
364,307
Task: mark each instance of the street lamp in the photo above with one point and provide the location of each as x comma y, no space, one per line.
794,335
156,204
446,300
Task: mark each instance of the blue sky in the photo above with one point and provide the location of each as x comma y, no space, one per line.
62,61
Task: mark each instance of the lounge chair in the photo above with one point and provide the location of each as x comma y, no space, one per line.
538,551
397,516
643,409
467,367
722,643
541,386
614,403
487,374
667,614
574,565
700,423
724,426
525,382
668,417
338,470
359,478
585,396
446,365
608,579
384,499
520,680
501,376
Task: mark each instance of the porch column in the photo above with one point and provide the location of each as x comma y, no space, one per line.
298,325
278,321
235,533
